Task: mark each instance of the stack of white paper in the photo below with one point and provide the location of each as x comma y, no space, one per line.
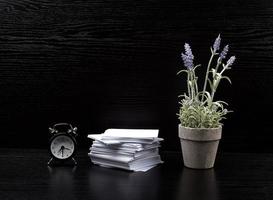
130,149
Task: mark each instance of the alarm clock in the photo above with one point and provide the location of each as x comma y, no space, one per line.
62,143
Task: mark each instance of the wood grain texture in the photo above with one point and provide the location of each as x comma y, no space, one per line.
113,63
24,175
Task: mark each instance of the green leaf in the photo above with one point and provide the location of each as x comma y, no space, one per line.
181,71
213,71
196,66
219,105
223,102
210,84
227,78
211,50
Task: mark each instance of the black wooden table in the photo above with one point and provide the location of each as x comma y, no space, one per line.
25,175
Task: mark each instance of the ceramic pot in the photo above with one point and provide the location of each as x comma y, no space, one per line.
199,146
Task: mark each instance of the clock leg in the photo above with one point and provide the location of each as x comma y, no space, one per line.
49,162
75,162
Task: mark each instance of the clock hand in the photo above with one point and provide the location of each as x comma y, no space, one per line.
67,148
61,149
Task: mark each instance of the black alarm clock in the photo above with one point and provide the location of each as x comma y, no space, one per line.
62,143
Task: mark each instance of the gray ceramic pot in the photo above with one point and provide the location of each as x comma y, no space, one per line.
199,146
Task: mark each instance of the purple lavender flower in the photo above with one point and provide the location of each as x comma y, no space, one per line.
187,57
216,45
188,50
188,62
230,61
223,54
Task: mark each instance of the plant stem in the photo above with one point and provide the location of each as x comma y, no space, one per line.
192,86
196,86
217,66
215,84
188,84
213,90
212,95
225,67
207,74
195,83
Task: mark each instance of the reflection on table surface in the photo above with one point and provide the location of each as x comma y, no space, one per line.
61,182
197,185
24,174
104,183
123,184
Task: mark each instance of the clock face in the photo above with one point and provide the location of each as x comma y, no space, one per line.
62,147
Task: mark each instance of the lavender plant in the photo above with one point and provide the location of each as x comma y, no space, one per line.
198,108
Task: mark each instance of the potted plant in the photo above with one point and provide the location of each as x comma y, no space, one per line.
200,114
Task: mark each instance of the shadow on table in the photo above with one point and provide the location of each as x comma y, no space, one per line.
197,185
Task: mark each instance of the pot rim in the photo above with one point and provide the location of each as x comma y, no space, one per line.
200,134
189,128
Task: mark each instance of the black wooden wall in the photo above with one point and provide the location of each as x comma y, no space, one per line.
112,63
